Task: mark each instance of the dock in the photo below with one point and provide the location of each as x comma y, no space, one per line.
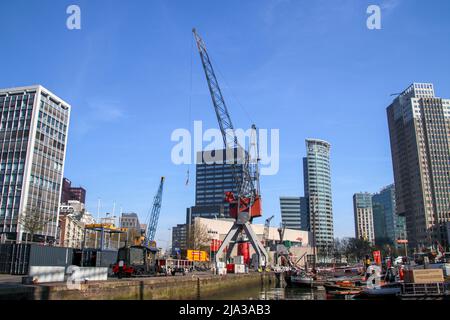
189,287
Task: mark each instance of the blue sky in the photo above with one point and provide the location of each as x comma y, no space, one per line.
308,68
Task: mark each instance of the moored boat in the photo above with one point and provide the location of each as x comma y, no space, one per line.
384,291
302,280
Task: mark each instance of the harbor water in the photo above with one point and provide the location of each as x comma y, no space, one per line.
271,292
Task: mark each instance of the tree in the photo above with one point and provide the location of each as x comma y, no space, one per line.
358,248
33,223
339,250
198,237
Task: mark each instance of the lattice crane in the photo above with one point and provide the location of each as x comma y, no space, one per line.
154,214
246,204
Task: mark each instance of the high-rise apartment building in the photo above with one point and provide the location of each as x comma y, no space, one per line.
294,211
388,225
362,208
317,184
419,128
33,137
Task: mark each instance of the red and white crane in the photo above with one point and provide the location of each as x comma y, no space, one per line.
246,204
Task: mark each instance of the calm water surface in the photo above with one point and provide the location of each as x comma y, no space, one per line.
270,293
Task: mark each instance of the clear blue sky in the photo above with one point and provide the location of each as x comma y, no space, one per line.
309,68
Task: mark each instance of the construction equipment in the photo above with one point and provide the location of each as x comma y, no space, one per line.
266,231
246,204
154,215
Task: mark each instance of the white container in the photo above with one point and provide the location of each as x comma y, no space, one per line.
222,271
239,268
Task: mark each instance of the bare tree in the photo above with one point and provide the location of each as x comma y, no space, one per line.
33,222
198,237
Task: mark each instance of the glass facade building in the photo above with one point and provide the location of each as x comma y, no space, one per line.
419,129
387,223
317,184
33,138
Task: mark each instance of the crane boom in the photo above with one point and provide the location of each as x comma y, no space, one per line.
247,204
248,185
154,215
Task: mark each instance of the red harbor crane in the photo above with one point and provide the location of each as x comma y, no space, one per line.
246,204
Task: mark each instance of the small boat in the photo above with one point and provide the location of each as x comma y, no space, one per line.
341,286
302,280
389,290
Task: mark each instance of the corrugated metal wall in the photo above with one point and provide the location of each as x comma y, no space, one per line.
50,256
106,258
14,258
17,258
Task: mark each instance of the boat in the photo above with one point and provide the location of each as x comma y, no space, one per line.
341,286
345,295
384,291
302,280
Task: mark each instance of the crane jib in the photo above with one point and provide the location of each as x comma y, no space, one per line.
248,198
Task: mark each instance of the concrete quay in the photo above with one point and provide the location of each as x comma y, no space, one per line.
189,287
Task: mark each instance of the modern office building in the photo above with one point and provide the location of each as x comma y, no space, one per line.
214,177
33,137
362,208
294,211
317,184
72,193
419,128
388,225
179,238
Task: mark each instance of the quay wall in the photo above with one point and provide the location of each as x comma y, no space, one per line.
189,287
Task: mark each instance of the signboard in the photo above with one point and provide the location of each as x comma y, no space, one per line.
377,257
197,255
400,241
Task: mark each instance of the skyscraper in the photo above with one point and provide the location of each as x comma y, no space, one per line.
33,135
362,208
317,183
388,225
419,128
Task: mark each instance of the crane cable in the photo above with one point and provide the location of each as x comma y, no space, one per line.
190,107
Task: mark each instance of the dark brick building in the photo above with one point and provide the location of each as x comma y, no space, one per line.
72,193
